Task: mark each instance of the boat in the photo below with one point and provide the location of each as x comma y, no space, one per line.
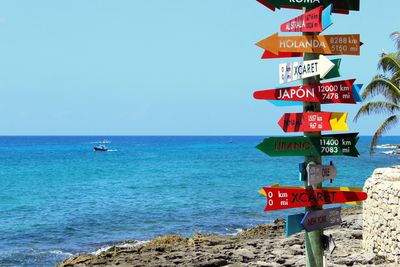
101,148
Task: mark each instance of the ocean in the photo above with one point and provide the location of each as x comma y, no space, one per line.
58,197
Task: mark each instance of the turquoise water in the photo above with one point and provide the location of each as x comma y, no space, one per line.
58,197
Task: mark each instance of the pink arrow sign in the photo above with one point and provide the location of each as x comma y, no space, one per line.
316,20
325,93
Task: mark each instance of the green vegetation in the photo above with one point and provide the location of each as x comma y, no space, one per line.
387,85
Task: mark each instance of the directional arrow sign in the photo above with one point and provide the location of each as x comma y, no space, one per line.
355,96
321,219
319,173
326,145
316,20
289,72
347,189
325,93
313,221
279,198
345,44
314,122
339,6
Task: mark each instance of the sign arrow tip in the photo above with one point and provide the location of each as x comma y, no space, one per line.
326,65
270,43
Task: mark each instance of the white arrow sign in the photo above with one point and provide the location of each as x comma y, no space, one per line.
290,72
319,173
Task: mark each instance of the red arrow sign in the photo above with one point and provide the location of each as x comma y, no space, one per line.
279,198
325,93
313,122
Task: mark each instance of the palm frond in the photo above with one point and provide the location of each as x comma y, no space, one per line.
386,126
381,84
396,37
377,107
389,63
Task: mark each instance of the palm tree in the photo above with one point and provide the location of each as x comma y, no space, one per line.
387,85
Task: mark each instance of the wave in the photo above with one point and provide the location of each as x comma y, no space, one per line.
33,257
387,146
123,245
101,142
236,231
391,152
57,252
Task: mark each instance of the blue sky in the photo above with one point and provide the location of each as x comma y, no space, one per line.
176,67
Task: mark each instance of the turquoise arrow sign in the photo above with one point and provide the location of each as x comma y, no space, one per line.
293,224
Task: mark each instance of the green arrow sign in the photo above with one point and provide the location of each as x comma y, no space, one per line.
334,73
326,145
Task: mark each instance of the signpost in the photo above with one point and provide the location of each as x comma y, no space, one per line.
289,72
326,145
341,92
316,17
339,6
343,44
280,198
316,20
313,122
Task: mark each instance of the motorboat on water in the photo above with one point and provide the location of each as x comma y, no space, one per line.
101,148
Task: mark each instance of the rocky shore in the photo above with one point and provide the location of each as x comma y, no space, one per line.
265,245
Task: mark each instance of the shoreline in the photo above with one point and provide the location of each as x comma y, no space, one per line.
263,245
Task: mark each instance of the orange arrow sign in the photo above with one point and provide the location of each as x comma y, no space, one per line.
345,44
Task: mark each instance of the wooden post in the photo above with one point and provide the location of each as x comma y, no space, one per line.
313,240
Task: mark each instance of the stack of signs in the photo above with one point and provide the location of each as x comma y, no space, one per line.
316,21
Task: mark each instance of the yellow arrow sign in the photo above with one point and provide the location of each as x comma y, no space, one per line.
338,121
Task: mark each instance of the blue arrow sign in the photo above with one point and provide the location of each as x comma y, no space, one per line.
327,17
293,224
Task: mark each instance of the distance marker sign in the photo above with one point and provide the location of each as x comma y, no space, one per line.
316,20
326,145
345,44
314,122
342,188
280,198
324,93
290,72
339,6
